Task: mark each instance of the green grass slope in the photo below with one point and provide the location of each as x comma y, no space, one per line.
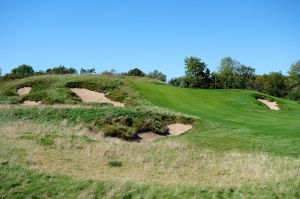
232,119
238,148
55,89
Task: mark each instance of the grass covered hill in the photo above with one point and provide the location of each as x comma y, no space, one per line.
55,89
64,148
232,119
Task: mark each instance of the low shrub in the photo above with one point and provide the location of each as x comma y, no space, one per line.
158,127
115,163
46,140
127,125
120,131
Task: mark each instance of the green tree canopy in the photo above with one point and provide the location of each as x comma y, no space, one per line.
294,81
197,75
136,72
245,75
87,71
61,70
227,70
275,84
157,75
21,71
294,74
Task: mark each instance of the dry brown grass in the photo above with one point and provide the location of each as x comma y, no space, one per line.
168,161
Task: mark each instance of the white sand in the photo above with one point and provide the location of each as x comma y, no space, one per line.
149,136
24,90
271,105
177,128
174,129
92,96
31,103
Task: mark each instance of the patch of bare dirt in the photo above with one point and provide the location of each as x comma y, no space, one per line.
31,103
92,96
177,128
271,105
24,90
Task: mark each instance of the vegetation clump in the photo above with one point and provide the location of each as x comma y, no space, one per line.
115,163
129,126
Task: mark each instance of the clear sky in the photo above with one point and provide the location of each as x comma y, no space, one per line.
149,34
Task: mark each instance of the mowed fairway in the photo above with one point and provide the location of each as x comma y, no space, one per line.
231,119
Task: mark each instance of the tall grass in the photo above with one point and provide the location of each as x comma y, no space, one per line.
165,167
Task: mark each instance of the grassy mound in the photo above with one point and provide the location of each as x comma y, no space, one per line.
54,89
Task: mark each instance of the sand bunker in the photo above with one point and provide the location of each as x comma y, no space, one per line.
271,105
174,129
177,128
31,103
92,96
24,90
149,136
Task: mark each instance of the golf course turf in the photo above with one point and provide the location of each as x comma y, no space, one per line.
237,147
232,119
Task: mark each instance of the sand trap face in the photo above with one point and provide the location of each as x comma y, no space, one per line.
177,128
92,96
174,129
24,90
271,105
31,103
149,136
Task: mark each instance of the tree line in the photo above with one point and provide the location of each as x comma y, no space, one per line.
231,74
27,71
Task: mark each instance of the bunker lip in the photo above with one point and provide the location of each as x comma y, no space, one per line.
177,128
31,103
174,129
149,136
23,91
269,104
93,96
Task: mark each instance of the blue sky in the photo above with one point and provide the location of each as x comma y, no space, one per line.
149,34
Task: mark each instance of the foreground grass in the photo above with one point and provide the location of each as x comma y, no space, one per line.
76,165
31,184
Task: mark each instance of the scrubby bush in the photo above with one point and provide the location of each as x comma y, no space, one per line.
87,71
294,93
61,70
128,125
158,127
115,163
20,72
120,131
175,81
157,75
109,72
136,72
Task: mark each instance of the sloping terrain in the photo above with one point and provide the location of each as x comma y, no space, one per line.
63,148
232,119
56,89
